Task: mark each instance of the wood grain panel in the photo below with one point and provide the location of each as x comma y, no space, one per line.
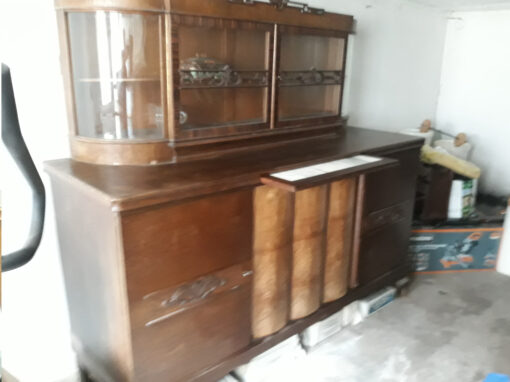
339,238
272,259
393,185
122,153
131,187
164,304
177,243
131,5
308,250
385,248
180,348
91,254
262,12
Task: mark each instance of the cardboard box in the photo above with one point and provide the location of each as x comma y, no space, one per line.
352,314
454,249
377,300
462,198
322,330
276,364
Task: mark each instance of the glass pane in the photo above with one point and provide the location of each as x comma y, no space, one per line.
240,49
216,107
224,76
306,52
310,77
116,62
308,101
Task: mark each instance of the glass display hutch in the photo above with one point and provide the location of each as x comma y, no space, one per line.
147,78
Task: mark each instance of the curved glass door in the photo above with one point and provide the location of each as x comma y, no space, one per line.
117,74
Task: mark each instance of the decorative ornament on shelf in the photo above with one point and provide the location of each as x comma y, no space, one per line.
282,4
310,77
202,71
303,7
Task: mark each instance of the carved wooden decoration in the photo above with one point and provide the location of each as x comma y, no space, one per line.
311,77
164,304
272,256
339,238
308,250
191,79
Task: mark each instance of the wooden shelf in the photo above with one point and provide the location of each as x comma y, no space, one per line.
300,85
308,116
222,124
288,78
199,87
205,79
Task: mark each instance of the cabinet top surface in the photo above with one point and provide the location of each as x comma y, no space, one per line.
131,187
258,11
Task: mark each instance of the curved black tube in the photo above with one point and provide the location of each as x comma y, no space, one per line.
13,140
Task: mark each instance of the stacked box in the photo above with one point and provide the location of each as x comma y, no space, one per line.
322,330
276,364
454,249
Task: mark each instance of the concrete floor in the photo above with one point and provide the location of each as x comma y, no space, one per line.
451,327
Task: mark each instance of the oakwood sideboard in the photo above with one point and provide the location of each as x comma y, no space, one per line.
185,271
216,202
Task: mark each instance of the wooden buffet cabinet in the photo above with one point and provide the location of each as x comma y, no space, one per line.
187,246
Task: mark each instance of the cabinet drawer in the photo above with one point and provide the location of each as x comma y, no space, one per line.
172,244
388,187
384,247
190,341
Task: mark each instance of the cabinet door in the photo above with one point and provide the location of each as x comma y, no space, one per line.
117,73
222,77
385,241
310,76
387,217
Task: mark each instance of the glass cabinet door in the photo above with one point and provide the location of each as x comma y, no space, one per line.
116,61
223,76
310,76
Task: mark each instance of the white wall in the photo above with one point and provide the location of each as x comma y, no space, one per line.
393,84
475,98
394,63
475,91
35,337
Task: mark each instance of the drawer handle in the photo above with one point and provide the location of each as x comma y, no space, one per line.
379,219
195,291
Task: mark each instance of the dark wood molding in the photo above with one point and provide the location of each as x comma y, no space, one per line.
187,255
128,188
259,12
